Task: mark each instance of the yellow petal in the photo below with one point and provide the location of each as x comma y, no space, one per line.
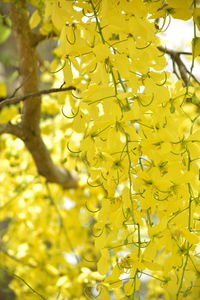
102,264
35,19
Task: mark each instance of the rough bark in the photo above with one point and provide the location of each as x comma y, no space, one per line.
45,165
29,128
27,66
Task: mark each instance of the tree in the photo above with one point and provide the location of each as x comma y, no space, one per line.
127,226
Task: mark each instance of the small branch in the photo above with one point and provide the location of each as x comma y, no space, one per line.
18,88
176,61
175,56
184,53
36,38
193,77
15,100
41,157
11,129
174,70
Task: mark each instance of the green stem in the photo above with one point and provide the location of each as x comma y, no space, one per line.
97,21
182,276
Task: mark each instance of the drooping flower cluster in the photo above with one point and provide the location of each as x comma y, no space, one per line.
129,126
133,140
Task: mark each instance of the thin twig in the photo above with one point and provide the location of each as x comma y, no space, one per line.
177,61
20,86
193,76
15,100
184,53
175,56
174,69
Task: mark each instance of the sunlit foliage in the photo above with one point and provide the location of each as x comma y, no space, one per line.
131,229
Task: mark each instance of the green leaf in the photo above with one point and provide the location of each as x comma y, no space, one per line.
5,29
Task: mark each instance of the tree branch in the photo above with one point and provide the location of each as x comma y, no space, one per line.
27,65
176,60
175,56
15,100
29,126
11,129
37,37
45,165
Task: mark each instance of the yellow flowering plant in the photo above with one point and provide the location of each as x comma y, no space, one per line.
129,227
